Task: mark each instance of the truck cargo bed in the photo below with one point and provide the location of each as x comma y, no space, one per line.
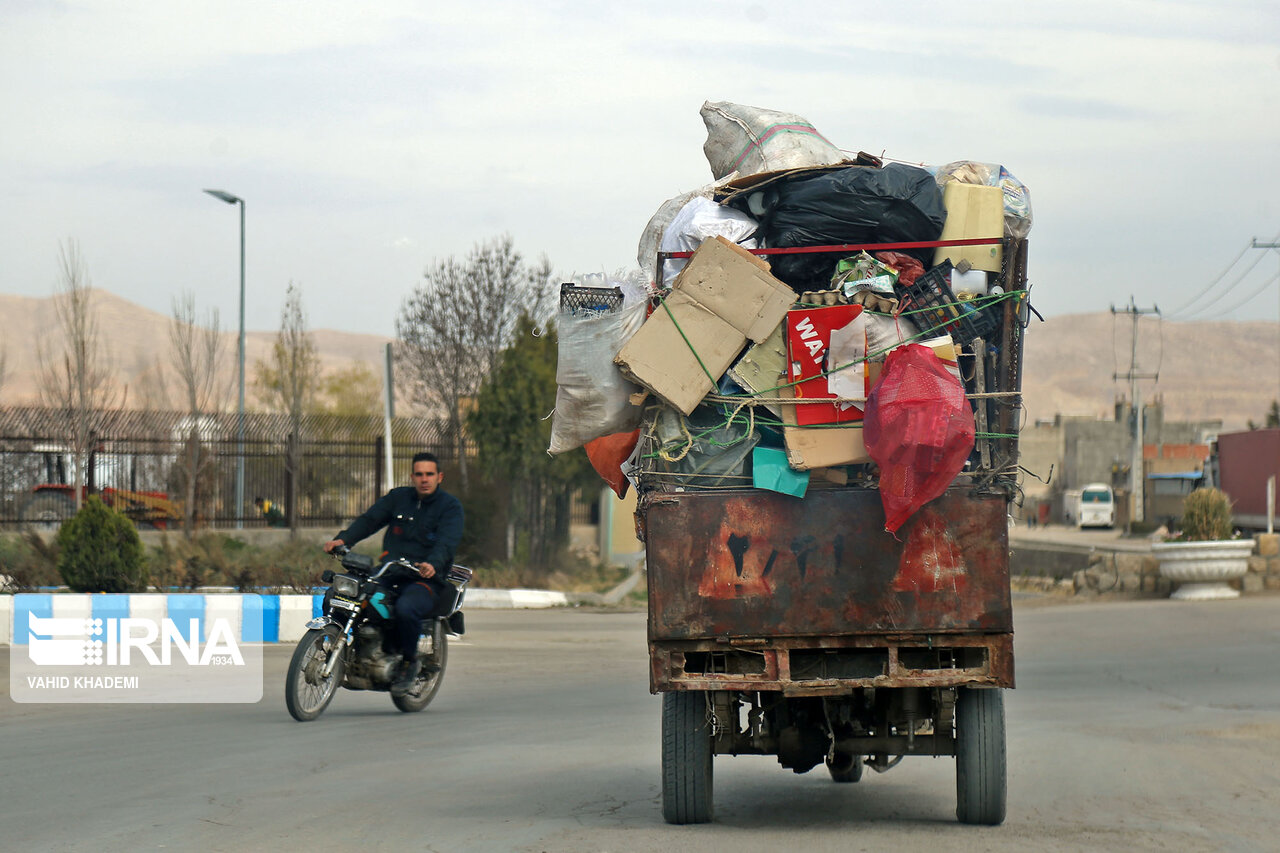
766,591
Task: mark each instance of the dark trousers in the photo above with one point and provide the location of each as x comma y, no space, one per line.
416,601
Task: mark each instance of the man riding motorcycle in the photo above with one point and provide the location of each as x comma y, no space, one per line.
424,525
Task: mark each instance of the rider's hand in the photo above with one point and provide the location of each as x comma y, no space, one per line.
331,544
426,570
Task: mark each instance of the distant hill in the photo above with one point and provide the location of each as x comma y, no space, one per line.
137,338
1227,371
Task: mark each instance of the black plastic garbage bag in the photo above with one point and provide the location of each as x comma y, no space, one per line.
895,204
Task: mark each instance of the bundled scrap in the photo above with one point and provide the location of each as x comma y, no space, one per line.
856,358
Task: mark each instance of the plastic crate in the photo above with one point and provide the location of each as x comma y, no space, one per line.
589,300
935,307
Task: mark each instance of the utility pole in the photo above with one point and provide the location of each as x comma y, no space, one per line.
1258,245
1135,399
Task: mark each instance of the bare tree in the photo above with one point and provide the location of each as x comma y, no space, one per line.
291,381
197,359
453,328
78,379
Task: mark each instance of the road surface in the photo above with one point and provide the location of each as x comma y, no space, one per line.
1135,725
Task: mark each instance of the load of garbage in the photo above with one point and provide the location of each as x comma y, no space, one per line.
812,319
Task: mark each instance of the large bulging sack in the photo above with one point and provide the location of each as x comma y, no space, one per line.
749,140
593,397
918,428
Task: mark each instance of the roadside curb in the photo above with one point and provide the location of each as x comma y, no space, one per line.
271,618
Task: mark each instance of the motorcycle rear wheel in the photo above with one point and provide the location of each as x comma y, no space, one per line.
427,685
305,693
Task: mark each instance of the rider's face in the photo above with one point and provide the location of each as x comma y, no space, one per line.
426,477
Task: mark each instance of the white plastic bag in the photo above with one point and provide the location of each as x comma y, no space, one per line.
749,140
593,398
699,219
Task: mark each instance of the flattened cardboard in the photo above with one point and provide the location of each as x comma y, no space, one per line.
761,365
724,297
973,211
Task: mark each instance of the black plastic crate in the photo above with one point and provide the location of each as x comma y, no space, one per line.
589,300
934,306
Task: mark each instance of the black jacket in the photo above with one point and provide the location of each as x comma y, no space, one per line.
423,530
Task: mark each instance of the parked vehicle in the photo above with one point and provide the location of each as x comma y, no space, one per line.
1092,506
1246,461
54,501
349,645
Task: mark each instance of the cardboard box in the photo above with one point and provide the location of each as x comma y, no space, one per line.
820,446
809,335
973,211
724,297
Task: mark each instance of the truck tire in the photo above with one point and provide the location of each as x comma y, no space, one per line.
844,768
980,756
686,758
46,510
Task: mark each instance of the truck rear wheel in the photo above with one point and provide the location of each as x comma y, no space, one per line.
844,768
686,758
980,756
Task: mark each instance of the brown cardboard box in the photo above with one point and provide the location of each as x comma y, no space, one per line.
723,297
820,446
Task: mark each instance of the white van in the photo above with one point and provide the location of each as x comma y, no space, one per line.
1092,506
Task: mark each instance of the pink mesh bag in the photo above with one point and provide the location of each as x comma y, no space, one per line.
918,429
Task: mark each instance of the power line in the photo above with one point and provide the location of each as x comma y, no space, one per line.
1254,295
1181,312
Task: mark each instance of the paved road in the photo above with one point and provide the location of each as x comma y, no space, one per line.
1136,725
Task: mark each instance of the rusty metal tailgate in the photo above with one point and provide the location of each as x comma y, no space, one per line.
748,563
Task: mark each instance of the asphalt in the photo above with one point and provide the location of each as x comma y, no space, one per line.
1096,538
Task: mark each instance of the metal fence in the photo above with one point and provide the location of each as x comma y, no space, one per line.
142,462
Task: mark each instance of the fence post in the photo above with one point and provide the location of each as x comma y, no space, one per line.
378,491
292,455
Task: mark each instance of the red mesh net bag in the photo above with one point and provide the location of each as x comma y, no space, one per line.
918,429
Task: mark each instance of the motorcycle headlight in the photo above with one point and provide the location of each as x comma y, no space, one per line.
346,586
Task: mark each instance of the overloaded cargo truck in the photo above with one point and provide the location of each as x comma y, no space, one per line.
799,628
817,398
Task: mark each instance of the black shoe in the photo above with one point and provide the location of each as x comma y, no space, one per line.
406,677
430,668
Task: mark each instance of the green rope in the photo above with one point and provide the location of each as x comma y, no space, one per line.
687,343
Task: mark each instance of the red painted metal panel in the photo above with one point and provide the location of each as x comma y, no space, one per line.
759,564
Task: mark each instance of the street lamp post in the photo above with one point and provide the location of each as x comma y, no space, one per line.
231,199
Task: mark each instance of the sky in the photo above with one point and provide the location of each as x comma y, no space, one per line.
371,139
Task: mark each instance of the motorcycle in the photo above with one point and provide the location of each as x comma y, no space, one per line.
352,644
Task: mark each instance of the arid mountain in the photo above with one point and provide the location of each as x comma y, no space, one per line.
137,340
1207,371
1227,371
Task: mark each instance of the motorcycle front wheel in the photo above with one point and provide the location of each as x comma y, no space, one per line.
306,692
427,685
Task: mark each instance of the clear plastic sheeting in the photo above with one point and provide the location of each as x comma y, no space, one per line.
1017,198
749,140
593,398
